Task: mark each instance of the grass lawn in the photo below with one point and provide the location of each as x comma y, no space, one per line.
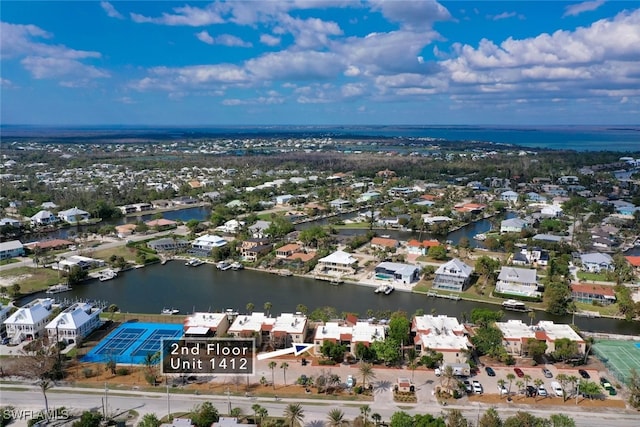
353,225
9,261
608,310
129,254
598,277
32,279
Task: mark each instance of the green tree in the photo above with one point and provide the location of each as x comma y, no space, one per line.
565,349
376,417
267,307
387,350
437,252
557,296
272,366
525,419
333,351
42,364
535,348
510,377
490,418
399,327
149,420
454,418
294,414
367,372
335,418
486,268
633,384
485,316
284,366
88,419
401,419
204,415
487,340
561,420
365,410
250,306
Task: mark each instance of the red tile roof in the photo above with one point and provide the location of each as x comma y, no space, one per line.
634,260
593,289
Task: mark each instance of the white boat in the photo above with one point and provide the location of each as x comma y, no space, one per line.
380,289
107,275
514,305
223,265
237,266
56,289
388,290
480,237
194,262
169,311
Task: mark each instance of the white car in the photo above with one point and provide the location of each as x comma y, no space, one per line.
477,387
502,390
350,381
542,391
557,388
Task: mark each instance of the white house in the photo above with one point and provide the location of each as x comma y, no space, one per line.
349,335
206,324
404,273
339,204
596,262
453,275
10,221
207,242
259,229
254,325
77,321
11,249
232,226
513,225
284,199
518,281
442,334
28,321
73,215
516,334
339,262
509,196
289,328
43,218
551,211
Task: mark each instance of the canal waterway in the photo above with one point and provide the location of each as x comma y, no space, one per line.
204,288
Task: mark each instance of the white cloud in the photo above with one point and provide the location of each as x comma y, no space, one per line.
505,15
187,16
587,6
311,32
6,83
269,40
48,67
111,10
412,15
230,40
295,65
205,37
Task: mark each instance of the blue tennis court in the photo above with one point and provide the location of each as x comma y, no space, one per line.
131,342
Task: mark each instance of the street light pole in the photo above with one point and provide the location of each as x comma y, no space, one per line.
168,401
577,391
229,401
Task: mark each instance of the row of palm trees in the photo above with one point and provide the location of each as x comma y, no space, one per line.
563,379
365,369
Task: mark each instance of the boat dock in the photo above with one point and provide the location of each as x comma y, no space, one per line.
453,297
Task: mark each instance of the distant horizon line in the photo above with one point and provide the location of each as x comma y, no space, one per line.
7,125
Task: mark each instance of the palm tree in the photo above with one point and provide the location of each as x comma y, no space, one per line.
365,410
589,342
250,307
284,366
255,408
520,384
510,377
574,381
272,366
294,414
532,316
367,372
262,414
527,380
447,377
335,418
267,307
412,366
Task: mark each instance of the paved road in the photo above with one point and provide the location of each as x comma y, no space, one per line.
315,411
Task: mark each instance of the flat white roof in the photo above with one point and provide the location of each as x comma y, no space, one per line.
515,329
556,331
367,332
290,323
339,257
251,322
437,325
447,341
208,320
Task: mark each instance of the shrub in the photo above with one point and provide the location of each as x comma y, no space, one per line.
122,371
326,362
88,372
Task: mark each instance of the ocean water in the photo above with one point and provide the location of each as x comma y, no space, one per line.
577,138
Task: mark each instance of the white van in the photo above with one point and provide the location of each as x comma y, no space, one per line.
557,388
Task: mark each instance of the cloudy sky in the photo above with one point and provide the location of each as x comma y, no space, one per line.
320,62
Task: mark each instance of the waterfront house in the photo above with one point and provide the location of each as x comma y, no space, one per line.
161,204
349,335
516,334
339,204
513,225
435,219
82,262
73,215
288,328
202,324
551,211
11,222
28,321
441,334
404,273
232,226
127,209
161,224
286,251
338,263
168,244
596,262
11,249
254,325
368,197
453,275
259,229
634,261
48,206
75,322
518,281
384,243
415,247
47,245
143,207
206,243
184,200
125,230
252,249
590,293
284,199
43,218
509,196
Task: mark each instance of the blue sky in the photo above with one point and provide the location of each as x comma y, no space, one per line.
320,62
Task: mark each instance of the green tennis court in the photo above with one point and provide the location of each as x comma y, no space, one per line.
619,356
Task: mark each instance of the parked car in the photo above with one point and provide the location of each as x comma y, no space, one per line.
477,387
467,386
531,391
518,372
557,388
547,373
605,383
350,381
490,371
542,391
584,374
502,390
438,372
